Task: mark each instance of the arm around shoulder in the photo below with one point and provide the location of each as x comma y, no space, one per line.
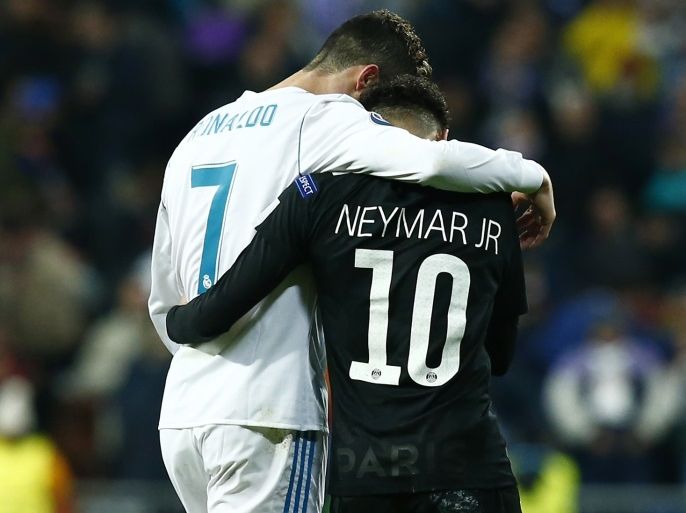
339,135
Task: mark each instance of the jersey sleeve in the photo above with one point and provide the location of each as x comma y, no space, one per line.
340,135
279,246
164,290
511,297
510,304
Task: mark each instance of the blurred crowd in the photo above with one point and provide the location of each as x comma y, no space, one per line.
95,94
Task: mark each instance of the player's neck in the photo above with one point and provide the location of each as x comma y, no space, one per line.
318,82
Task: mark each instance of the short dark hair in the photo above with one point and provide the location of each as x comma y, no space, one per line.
379,37
409,95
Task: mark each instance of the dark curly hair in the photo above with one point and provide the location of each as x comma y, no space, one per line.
408,95
379,37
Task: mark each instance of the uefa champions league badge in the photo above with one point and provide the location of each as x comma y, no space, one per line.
378,119
306,185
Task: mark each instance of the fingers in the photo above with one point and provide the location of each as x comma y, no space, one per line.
533,234
528,226
533,229
535,222
528,239
520,199
526,217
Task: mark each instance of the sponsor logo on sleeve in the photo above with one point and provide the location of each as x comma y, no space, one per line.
306,185
379,120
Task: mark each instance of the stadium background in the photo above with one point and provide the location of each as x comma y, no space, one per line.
94,95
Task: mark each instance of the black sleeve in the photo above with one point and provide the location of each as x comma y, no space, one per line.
510,303
501,339
279,246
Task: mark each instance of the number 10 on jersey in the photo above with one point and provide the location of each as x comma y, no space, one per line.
377,370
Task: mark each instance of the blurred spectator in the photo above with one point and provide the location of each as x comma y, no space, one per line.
519,131
571,155
114,119
115,340
512,77
119,376
664,244
268,55
29,115
34,477
561,329
662,34
44,287
676,110
605,40
610,253
548,479
31,40
610,402
666,189
674,319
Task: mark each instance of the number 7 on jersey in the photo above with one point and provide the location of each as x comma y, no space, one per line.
220,176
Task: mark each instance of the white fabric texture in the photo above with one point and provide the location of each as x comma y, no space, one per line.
232,469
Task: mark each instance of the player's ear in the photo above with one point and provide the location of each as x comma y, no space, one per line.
444,135
367,77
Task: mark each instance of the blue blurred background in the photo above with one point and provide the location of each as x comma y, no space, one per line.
94,96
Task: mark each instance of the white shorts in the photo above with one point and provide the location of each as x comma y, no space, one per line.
239,469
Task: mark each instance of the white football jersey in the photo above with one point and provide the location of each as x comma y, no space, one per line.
222,177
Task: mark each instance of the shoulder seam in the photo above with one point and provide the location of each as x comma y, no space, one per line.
342,98
300,135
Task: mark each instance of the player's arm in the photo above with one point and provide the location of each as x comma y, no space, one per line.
510,304
341,136
277,248
501,339
164,291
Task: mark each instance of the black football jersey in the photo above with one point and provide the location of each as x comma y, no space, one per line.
408,279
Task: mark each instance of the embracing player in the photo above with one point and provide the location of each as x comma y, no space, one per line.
235,435
416,287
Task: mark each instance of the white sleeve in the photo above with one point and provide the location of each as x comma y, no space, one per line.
339,135
164,292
